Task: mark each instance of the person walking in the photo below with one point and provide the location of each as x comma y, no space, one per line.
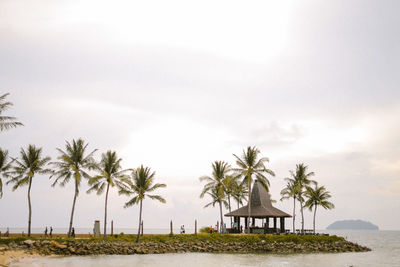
51,232
73,232
45,232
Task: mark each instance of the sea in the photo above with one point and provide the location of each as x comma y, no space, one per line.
385,247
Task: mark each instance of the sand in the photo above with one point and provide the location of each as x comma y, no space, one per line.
6,257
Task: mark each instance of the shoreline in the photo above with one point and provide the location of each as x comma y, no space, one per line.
16,248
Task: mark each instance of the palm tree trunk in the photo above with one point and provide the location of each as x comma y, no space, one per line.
105,213
30,207
140,221
302,217
315,211
249,206
294,214
222,218
229,205
73,209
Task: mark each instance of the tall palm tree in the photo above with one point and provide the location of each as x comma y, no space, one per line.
216,197
302,179
31,163
291,190
140,184
248,165
318,196
73,163
110,174
5,166
6,122
220,171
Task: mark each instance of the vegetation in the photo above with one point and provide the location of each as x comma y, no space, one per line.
139,185
249,165
7,122
291,190
30,163
216,187
318,196
73,163
5,166
110,174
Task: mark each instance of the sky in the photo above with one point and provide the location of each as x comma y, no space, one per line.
176,85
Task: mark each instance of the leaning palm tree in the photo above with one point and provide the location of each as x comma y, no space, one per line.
318,196
110,174
302,179
73,163
291,190
139,184
6,122
5,166
248,165
216,197
30,163
216,182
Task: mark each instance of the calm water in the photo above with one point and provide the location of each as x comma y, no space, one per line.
385,246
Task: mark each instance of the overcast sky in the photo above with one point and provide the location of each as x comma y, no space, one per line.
175,85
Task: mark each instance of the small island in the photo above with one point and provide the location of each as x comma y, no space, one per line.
352,225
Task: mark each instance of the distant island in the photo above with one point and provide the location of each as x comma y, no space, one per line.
352,225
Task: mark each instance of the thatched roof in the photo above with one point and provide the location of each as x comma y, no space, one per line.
261,205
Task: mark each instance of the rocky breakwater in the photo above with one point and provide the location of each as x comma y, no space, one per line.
78,247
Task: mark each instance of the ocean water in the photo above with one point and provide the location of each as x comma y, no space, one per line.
385,247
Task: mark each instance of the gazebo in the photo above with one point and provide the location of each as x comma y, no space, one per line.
261,208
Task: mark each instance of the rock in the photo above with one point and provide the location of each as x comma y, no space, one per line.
58,245
29,242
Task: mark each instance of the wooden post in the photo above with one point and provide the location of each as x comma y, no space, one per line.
195,227
112,227
141,229
217,226
170,226
275,224
282,224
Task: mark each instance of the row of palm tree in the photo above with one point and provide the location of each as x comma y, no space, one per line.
76,163
299,187
226,182
6,122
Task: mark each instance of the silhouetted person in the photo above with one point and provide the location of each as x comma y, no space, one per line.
45,232
51,232
73,232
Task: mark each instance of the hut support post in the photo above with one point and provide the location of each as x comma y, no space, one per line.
274,223
282,224
267,222
253,223
245,223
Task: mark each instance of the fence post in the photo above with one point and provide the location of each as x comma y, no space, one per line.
112,227
170,226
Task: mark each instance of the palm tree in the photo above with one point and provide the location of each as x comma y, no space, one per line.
139,184
230,184
5,166
291,190
73,163
216,184
110,174
31,163
318,196
239,193
302,179
6,122
216,197
249,165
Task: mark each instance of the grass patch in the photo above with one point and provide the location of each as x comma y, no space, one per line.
184,238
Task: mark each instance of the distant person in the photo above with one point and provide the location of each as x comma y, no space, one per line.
51,232
7,232
211,230
183,229
241,229
73,232
45,232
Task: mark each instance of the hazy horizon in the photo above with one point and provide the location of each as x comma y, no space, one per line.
177,85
